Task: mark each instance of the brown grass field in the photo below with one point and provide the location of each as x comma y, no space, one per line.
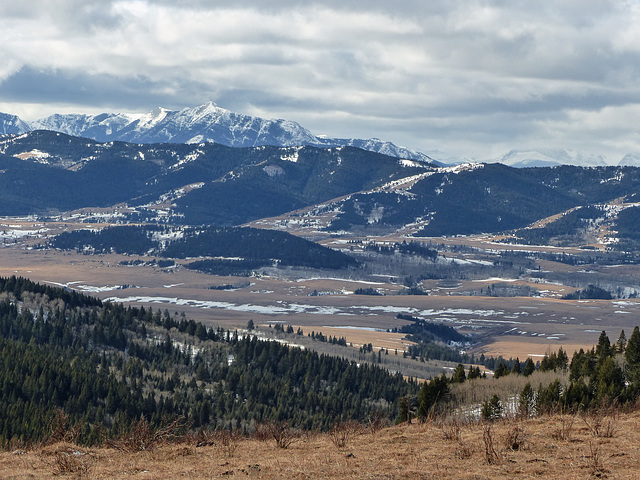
507,326
541,324
558,446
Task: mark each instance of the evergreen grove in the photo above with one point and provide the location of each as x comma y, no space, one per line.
106,365
605,376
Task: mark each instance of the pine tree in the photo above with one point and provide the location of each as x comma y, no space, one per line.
432,395
603,349
474,372
516,367
610,381
621,344
458,374
632,356
526,402
529,367
501,370
492,409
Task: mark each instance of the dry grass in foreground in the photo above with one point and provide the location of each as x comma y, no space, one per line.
559,447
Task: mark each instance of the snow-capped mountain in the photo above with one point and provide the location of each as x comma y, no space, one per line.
445,158
630,160
548,158
99,127
205,123
210,123
12,124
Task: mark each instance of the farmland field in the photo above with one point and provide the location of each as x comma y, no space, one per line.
321,301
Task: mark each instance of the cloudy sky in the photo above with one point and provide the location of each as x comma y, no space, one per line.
469,77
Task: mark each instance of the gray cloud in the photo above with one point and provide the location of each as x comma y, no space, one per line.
465,77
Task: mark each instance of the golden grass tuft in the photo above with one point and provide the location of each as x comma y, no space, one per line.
504,449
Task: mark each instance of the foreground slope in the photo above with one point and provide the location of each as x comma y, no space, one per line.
560,447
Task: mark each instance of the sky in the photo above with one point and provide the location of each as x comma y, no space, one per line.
472,78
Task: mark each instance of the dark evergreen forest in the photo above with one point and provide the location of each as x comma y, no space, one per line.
257,247
105,365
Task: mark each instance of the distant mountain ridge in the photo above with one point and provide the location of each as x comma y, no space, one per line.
550,158
12,124
335,189
204,123
45,171
210,123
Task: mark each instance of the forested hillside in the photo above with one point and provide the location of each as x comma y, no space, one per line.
45,172
246,248
106,365
199,184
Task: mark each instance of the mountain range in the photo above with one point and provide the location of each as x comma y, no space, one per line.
202,124
351,189
211,123
552,158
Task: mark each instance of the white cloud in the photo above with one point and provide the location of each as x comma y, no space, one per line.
461,76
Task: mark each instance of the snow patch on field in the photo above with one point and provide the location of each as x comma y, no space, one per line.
457,315
12,232
292,155
106,288
339,280
496,279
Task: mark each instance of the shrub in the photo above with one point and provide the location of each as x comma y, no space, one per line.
342,431
492,409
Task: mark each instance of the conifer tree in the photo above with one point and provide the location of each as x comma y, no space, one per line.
432,395
632,356
501,370
492,409
529,367
474,372
458,374
516,367
621,344
526,402
603,349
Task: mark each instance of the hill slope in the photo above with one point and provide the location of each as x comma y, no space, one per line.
45,172
559,447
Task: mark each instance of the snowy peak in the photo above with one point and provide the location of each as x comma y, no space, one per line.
204,123
98,127
548,158
630,160
12,124
151,119
210,123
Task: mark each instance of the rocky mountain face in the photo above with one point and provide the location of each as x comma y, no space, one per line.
12,124
205,123
210,123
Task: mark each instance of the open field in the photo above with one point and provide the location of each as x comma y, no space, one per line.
560,447
320,301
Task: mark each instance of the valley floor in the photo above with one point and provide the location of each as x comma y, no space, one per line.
559,447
